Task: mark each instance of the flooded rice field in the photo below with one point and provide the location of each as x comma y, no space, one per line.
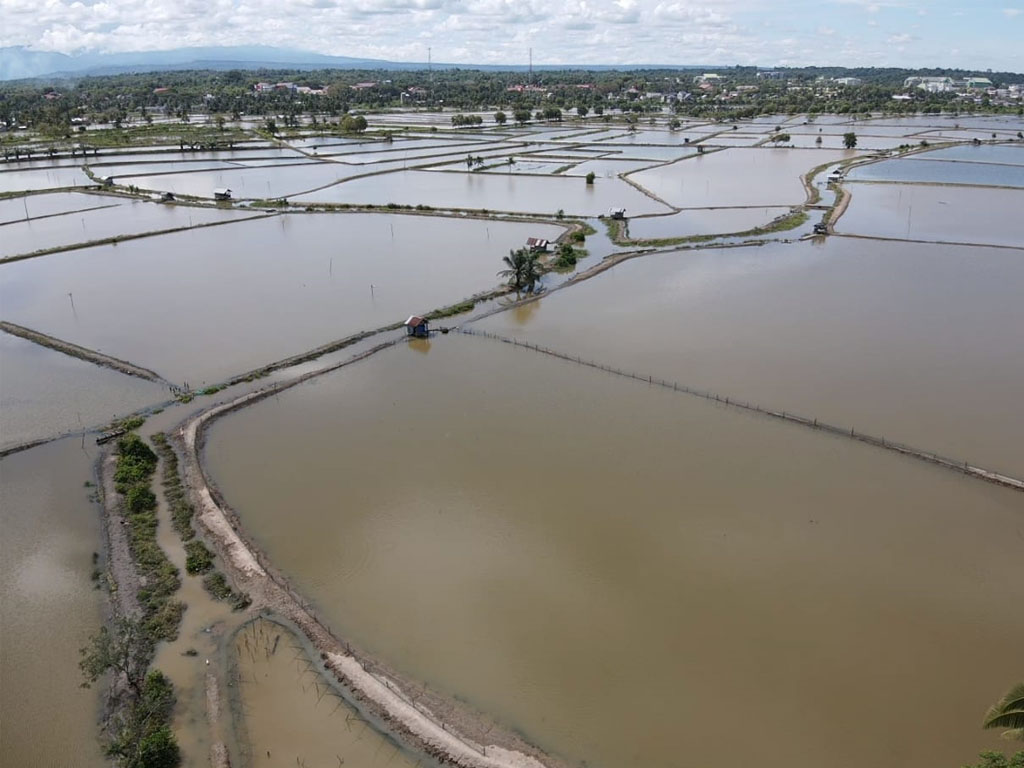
246,183
601,564
702,222
122,217
913,342
44,393
491,192
286,714
203,304
736,176
49,606
908,170
935,213
1002,154
34,206
573,552
44,178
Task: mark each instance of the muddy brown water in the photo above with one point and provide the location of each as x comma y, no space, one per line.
917,343
737,176
955,214
208,303
610,566
289,714
44,393
48,607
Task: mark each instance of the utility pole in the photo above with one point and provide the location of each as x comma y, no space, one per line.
531,66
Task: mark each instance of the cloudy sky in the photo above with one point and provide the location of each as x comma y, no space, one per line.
978,34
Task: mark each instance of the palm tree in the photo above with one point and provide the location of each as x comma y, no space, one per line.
523,269
1008,713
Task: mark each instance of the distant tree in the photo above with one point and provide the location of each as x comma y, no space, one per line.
817,140
780,138
522,116
500,118
538,115
590,177
599,110
582,111
850,140
270,124
219,122
674,124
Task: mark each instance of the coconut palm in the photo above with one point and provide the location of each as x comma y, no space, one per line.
1008,713
523,269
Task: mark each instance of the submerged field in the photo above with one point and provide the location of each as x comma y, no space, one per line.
607,566
602,565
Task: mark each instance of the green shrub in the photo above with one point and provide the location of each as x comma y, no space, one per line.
140,499
198,559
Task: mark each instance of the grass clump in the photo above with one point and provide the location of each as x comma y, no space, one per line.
198,559
217,585
181,510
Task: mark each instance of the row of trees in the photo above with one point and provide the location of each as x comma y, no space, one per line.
116,97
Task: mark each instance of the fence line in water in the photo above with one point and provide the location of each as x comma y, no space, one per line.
879,442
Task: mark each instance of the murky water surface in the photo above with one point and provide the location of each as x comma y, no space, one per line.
760,176
32,206
938,172
48,607
916,343
927,212
200,305
610,566
292,716
703,222
44,393
128,217
493,192
44,178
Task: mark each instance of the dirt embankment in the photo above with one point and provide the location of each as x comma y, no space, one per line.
423,720
123,575
82,353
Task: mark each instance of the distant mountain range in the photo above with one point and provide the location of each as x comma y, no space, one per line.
18,62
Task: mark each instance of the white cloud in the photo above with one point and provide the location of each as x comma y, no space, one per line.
1011,12
722,32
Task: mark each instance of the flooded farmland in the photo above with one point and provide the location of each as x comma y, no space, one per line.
908,170
519,547
884,337
572,552
935,213
122,217
44,393
492,192
736,177
49,607
300,281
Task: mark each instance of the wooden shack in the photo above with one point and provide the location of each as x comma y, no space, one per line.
222,193
417,326
537,244
617,213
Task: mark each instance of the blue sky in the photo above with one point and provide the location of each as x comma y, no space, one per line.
972,35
